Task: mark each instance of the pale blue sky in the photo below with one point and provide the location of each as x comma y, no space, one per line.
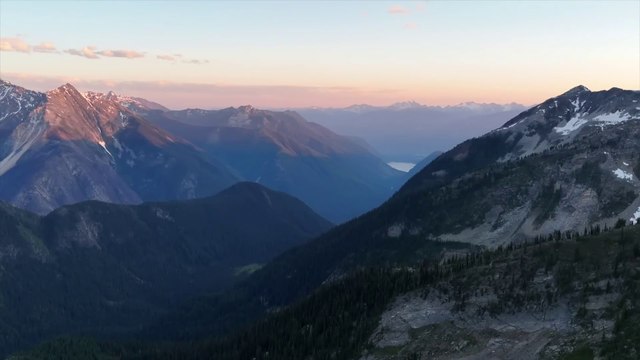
326,53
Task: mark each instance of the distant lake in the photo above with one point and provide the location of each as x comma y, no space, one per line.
402,166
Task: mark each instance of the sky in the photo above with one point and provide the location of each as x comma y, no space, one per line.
212,54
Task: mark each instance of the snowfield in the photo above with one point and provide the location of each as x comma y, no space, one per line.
613,118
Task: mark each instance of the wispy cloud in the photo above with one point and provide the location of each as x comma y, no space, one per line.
91,52
18,44
195,61
45,47
87,51
128,54
397,10
14,44
166,57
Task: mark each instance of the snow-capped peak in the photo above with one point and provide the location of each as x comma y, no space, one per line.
246,108
403,105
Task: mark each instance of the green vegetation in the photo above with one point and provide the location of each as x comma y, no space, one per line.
105,269
582,353
547,202
590,175
335,322
617,201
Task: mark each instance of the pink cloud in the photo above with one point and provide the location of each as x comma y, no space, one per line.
87,51
45,47
397,10
14,44
128,54
178,95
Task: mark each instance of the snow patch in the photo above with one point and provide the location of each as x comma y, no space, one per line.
576,105
613,118
636,217
571,126
510,126
124,121
621,174
5,91
18,101
104,146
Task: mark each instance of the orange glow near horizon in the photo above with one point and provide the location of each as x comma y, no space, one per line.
324,54
193,95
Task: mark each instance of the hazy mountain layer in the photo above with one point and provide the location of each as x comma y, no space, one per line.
337,176
410,131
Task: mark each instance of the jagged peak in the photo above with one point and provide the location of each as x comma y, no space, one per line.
66,88
577,90
246,108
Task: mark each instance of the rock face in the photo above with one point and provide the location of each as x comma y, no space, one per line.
433,328
335,175
115,267
63,147
562,165
538,301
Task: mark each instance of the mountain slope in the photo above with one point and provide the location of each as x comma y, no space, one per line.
108,269
565,296
423,163
470,194
533,175
335,175
63,147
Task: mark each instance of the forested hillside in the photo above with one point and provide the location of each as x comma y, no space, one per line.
338,320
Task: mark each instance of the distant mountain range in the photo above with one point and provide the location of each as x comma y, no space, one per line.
61,147
104,268
409,131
